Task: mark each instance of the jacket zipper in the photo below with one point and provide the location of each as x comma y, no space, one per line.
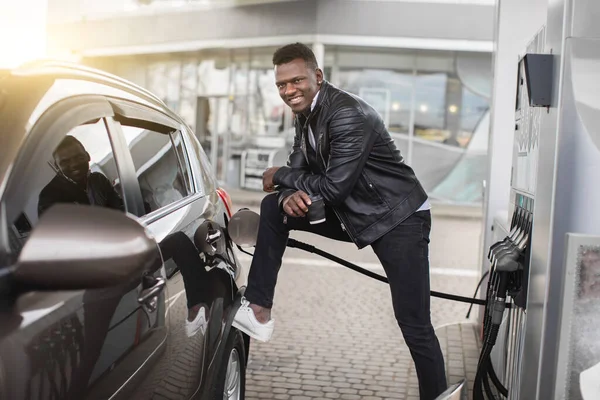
368,181
321,151
343,226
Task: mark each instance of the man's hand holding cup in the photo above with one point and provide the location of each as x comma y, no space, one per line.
301,204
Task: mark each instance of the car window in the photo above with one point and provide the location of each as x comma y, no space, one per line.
201,164
182,158
160,164
81,169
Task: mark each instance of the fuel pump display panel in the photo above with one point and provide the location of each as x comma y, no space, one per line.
527,129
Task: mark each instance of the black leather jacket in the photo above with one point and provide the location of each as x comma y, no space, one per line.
100,192
356,167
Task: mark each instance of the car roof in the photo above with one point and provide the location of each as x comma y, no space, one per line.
61,69
29,90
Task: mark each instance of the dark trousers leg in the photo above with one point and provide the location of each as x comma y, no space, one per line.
273,233
404,254
199,287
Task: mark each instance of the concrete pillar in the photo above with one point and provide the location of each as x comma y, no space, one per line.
517,21
319,50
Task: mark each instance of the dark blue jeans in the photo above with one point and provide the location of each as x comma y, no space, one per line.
404,254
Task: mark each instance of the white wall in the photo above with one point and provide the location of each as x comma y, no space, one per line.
517,21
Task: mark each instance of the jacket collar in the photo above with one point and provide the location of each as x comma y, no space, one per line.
322,100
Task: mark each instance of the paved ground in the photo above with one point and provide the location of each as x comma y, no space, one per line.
336,336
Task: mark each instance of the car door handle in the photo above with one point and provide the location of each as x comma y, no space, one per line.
153,291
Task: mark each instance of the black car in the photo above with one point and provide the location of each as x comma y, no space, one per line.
118,278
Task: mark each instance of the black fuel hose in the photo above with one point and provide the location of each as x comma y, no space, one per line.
488,389
481,374
475,294
485,369
495,380
312,249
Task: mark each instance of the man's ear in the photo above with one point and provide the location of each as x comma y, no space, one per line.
319,73
88,156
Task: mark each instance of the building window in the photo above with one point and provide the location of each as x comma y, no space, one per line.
434,103
164,80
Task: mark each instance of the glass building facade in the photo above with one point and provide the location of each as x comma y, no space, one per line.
434,103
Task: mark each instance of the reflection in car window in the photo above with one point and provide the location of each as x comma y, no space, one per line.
182,158
81,169
160,175
202,164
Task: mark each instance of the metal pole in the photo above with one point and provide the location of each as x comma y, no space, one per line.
225,160
214,137
411,124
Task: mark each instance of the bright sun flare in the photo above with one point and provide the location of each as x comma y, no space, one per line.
22,31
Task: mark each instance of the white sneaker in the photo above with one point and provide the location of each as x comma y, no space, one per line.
246,321
198,324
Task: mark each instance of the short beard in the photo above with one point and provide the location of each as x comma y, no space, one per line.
306,111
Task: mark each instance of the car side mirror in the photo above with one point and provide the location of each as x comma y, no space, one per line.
75,247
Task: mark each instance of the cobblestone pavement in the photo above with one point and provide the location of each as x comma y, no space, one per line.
335,333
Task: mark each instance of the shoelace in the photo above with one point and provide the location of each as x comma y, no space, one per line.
245,303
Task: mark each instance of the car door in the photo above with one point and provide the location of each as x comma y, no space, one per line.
73,344
175,206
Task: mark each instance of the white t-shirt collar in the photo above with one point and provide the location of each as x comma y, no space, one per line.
314,102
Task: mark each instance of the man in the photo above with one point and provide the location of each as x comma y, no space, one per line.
343,152
74,183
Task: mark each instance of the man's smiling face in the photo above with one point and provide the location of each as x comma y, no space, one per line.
298,83
73,161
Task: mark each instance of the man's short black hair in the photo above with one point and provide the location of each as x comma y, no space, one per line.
68,141
293,51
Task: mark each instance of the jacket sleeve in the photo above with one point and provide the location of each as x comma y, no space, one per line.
296,161
100,183
350,144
